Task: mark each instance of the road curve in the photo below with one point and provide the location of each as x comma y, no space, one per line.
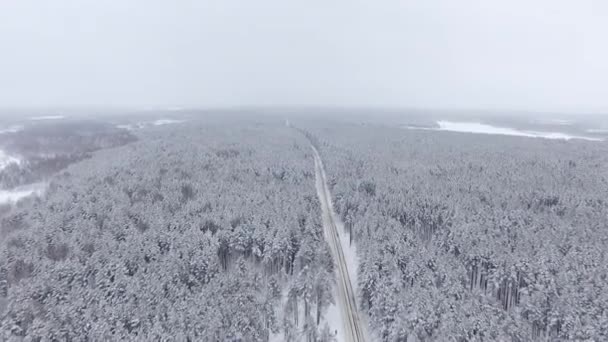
354,329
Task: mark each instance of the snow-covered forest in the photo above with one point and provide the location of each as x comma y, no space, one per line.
303,171
196,232
212,231
467,237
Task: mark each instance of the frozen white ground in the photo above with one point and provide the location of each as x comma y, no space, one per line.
161,122
480,128
47,117
11,129
140,125
561,122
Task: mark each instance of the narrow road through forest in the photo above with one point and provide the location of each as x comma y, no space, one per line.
353,327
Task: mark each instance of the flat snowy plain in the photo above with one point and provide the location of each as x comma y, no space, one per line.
481,128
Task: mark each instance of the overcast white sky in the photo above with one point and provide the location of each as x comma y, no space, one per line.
484,54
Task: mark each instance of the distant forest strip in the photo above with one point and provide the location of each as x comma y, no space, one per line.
472,237
46,148
193,233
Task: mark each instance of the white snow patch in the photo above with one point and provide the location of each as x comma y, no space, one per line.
11,129
560,122
47,117
333,318
13,196
140,125
131,127
276,337
480,128
280,335
127,127
166,122
6,160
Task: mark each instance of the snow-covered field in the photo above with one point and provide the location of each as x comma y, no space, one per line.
140,125
480,128
11,129
131,127
560,122
47,117
161,122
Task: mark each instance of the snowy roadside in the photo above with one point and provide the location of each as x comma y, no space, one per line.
353,327
349,249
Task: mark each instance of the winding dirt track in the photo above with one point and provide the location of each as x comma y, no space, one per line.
354,329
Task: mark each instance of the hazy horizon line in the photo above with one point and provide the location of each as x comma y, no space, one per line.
99,109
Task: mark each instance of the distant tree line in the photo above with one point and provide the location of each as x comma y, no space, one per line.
46,148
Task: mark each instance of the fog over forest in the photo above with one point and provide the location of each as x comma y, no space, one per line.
271,171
